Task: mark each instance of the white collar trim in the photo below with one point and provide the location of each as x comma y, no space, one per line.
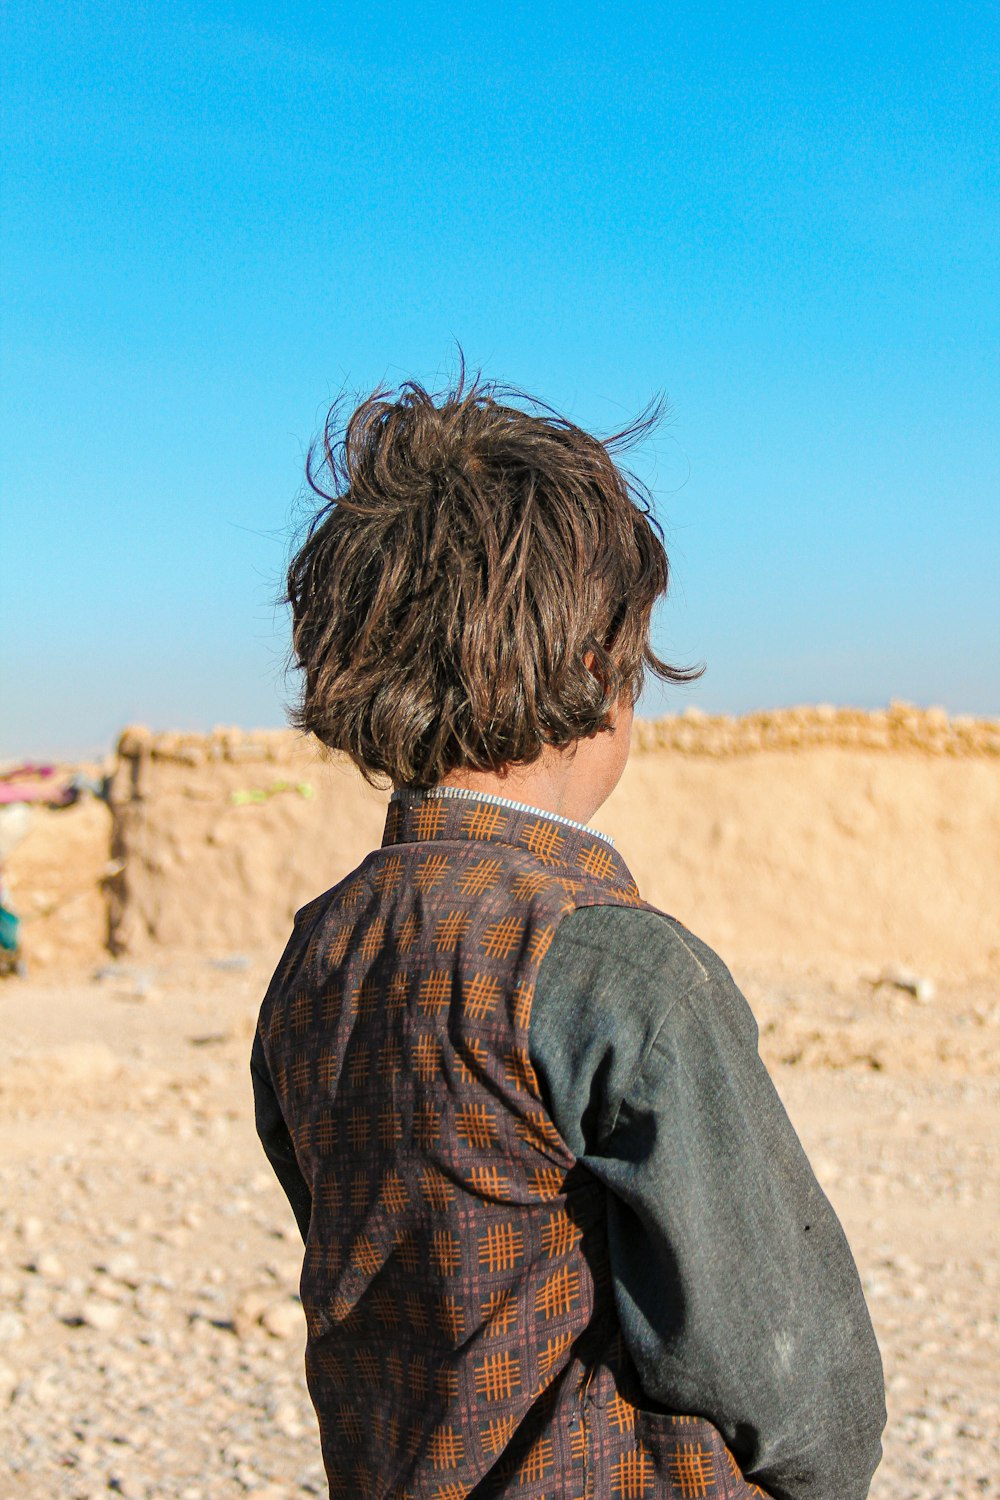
471,795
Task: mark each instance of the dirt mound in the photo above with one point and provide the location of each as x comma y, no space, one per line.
221,838
813,838
801,839
821,858
57,885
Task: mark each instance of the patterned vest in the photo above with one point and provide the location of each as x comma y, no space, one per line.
462,1336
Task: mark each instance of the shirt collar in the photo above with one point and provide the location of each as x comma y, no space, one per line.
453,813
527,807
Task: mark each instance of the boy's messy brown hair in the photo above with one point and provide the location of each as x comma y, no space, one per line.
473,552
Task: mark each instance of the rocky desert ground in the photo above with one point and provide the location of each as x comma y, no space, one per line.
150,1336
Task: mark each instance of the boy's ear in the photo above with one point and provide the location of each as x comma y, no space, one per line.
589,658
624,702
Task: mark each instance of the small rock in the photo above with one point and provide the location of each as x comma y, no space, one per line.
174,1235
100,1314
285,1271
106,1290
138,992
44,1389
47,1265
236,962
286,1419
921,988
123,1267
31,1229
35,1297
130,1489
246,1314
282,1319
11,1328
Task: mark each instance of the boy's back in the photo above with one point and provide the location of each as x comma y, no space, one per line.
553,1216
456,1283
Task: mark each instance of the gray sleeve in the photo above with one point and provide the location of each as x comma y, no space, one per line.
276,1140
737,1292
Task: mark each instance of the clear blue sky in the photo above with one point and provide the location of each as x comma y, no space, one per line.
216,216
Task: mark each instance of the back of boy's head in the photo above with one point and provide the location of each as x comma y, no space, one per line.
477,584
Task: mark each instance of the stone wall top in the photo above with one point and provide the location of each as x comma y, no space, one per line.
901,726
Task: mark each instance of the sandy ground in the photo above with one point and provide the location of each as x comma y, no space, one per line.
150,1339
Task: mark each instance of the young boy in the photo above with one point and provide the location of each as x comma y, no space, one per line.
560,1238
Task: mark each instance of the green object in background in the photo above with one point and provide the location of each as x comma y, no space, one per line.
246,796
10,924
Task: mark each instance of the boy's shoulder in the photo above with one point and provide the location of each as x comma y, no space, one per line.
620,986
639,949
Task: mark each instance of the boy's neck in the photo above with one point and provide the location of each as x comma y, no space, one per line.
573,782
